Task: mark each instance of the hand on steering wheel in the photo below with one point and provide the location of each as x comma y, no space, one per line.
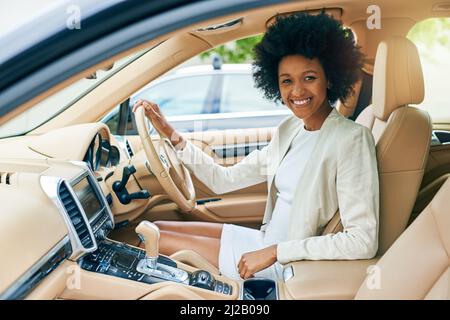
170,172
158,120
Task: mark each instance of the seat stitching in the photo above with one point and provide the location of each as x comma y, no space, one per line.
395,128
402,171
408,72
394,58
425,156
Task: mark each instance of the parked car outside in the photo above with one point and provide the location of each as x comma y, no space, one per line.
201,98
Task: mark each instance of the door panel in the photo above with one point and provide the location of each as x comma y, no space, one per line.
441,123
439,158
437,169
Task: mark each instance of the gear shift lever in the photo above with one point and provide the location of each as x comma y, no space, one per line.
149,233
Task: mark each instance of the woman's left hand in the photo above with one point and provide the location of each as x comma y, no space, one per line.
254,261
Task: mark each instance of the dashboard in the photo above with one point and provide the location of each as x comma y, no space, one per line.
77,217
53,207
66,222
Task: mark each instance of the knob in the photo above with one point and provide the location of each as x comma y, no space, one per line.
101,234
121,191
202,279
143,194
108,225
150,234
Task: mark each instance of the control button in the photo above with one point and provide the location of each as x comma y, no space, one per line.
226,289
101,234
88,266
113,269
219,286
108,224
94,256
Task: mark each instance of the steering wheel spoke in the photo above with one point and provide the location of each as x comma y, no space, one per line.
171,173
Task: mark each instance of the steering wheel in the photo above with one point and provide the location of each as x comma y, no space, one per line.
171,173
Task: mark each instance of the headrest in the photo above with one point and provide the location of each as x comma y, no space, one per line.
397,77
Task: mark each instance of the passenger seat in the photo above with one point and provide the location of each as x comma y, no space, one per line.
417,266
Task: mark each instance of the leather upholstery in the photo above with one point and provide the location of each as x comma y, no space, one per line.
417,266
325,279
194,259
402,152
398,78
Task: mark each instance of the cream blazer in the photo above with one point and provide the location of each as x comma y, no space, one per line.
341,174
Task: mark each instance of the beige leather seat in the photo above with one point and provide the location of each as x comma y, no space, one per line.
417,266
402,134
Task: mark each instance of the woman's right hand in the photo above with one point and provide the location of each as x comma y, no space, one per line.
154,114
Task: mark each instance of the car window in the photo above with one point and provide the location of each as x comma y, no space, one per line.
61,100
180,96
432,38
112,120
240,95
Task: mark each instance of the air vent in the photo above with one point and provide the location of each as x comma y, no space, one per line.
129,150
75,216
7,178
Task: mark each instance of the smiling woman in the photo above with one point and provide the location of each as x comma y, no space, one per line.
266,200
321,40
301,85
314,165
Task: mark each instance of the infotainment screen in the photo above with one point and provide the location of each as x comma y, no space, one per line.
87,197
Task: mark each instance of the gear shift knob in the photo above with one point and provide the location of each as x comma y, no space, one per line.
150,232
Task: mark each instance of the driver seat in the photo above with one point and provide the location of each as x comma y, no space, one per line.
402,135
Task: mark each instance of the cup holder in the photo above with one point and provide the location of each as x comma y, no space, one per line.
259,289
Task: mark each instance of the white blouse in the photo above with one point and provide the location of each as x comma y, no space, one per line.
286,179
237,240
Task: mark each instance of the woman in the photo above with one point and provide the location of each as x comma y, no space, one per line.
317,163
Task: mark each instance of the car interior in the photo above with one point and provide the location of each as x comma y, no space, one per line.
76,199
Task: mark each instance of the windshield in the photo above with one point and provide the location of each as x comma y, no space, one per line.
60,101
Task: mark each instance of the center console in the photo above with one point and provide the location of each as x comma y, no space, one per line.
259,289
123,261
88,217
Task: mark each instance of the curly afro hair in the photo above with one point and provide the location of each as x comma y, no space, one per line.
318,36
